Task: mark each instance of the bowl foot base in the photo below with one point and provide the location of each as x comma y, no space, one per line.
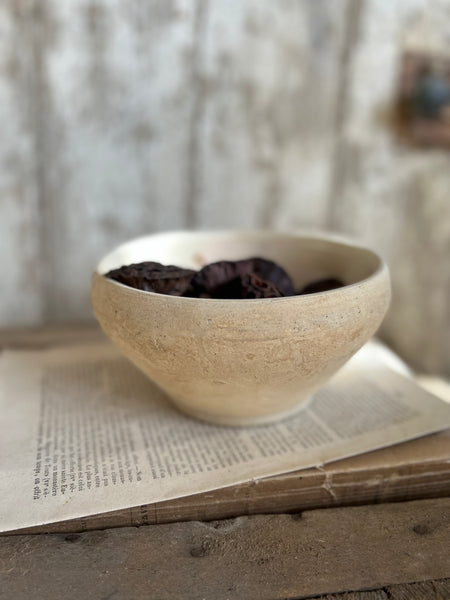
243,421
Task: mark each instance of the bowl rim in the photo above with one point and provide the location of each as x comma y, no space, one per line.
334,238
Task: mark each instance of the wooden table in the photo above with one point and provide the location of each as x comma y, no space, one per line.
325,545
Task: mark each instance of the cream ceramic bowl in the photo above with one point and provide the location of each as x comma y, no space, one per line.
243,362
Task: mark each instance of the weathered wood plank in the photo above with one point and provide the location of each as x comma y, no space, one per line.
116,95
393,198
370,595
269,74
426,590
154,116
21,279
262,557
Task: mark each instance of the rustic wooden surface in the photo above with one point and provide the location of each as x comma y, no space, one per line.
260,557
307,553
412,470
128,117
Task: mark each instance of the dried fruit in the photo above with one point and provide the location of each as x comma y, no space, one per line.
247,286
219,274
154,277
226,279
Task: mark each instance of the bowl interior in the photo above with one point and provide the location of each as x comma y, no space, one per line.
304,258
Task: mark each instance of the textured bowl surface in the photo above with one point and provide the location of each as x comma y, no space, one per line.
241,362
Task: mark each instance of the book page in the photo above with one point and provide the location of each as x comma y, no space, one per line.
84,432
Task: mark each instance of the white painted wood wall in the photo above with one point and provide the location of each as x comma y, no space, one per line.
123,117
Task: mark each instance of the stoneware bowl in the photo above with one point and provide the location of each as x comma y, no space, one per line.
243,362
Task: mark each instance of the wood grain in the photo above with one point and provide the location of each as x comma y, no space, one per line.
21,281
270,73
117,95
394,198
161,116
261,557
427,590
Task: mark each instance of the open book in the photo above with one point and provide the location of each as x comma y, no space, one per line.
86,438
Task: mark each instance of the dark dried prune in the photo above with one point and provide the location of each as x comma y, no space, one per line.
322,285
247,286
154,277
270,271
241,279
257,287
218,274
213,276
